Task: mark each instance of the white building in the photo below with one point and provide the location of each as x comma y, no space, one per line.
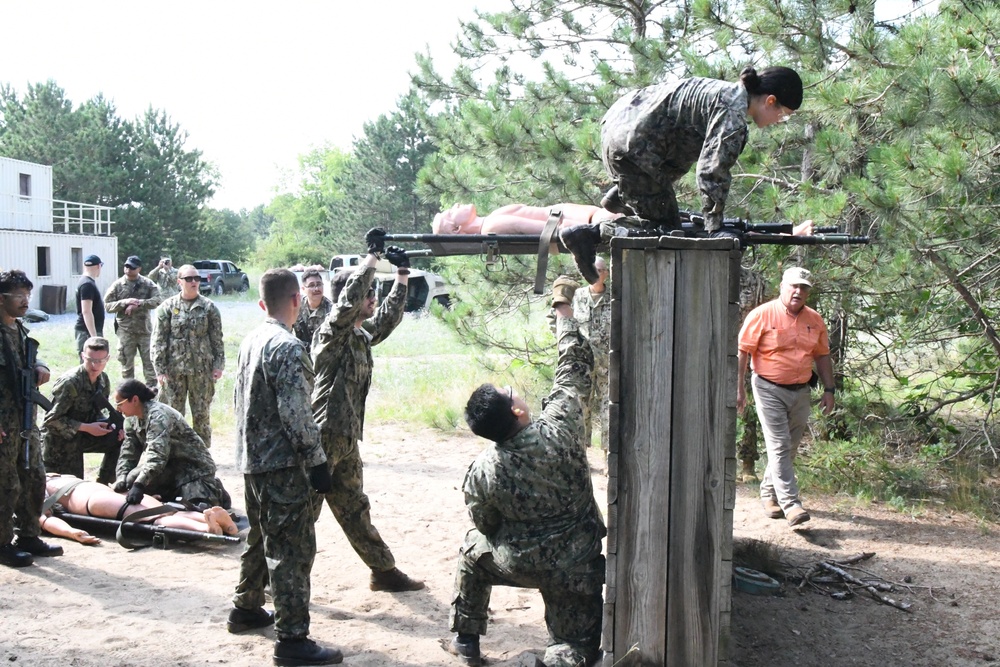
48,239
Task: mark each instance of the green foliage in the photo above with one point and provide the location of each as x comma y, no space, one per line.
339,196
141,167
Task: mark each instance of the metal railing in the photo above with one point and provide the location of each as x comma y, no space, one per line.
67,217
75,218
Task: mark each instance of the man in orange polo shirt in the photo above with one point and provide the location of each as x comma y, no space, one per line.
782,339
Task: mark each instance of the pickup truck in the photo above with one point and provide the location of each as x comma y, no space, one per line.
423,287
219,276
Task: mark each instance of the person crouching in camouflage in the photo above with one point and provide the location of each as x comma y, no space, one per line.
188,352
651,137
342,358
161,454
529,493
77,422
315,306
278,451
131,298
22,480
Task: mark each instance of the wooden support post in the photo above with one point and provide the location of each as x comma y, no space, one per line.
672,458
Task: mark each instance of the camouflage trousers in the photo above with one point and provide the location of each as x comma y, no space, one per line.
645,180
66,456
207,490
130,343
596,408
572,596
350,505
21,490
199,391
280,548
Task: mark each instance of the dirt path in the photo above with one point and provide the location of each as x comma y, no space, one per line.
104,606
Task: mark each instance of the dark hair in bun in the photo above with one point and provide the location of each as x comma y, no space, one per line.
782,82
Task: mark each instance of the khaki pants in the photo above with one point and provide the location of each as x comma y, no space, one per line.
783,415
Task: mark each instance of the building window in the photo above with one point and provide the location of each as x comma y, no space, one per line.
25,182
44,265
76,261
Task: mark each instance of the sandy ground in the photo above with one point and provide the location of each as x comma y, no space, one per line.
107,606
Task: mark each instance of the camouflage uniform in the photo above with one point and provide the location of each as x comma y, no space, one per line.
133,330
73,404
593,313
652,136
21,490
186,347
537,522
310,320
342,358
164,453
166,280
276,440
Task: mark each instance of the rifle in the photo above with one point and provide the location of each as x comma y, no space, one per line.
30,396
492,247
161,535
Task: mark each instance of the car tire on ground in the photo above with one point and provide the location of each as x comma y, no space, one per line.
245,285
219,287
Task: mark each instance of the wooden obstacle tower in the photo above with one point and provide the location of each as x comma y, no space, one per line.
672,452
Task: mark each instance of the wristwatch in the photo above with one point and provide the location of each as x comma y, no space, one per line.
829,390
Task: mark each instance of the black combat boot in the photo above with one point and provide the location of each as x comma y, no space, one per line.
296,651
393,581
582,241
11,556
465,648
241,620
36,547
612,201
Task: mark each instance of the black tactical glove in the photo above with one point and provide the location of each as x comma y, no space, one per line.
320,479
136,493
375,238
397,257
121,485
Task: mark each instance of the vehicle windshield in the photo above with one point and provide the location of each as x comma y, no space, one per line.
205,265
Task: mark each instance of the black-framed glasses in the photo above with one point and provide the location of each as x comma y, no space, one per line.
510,392
191,279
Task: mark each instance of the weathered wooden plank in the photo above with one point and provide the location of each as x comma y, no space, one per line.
727,534
697,459
612,524
647,290
613,425
729,484
607,631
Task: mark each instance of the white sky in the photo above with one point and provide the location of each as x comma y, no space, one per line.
253,84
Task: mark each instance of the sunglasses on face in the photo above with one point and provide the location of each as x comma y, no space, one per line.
191,279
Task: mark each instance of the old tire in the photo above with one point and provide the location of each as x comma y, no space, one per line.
219,287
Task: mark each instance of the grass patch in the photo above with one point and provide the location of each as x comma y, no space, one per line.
423,372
